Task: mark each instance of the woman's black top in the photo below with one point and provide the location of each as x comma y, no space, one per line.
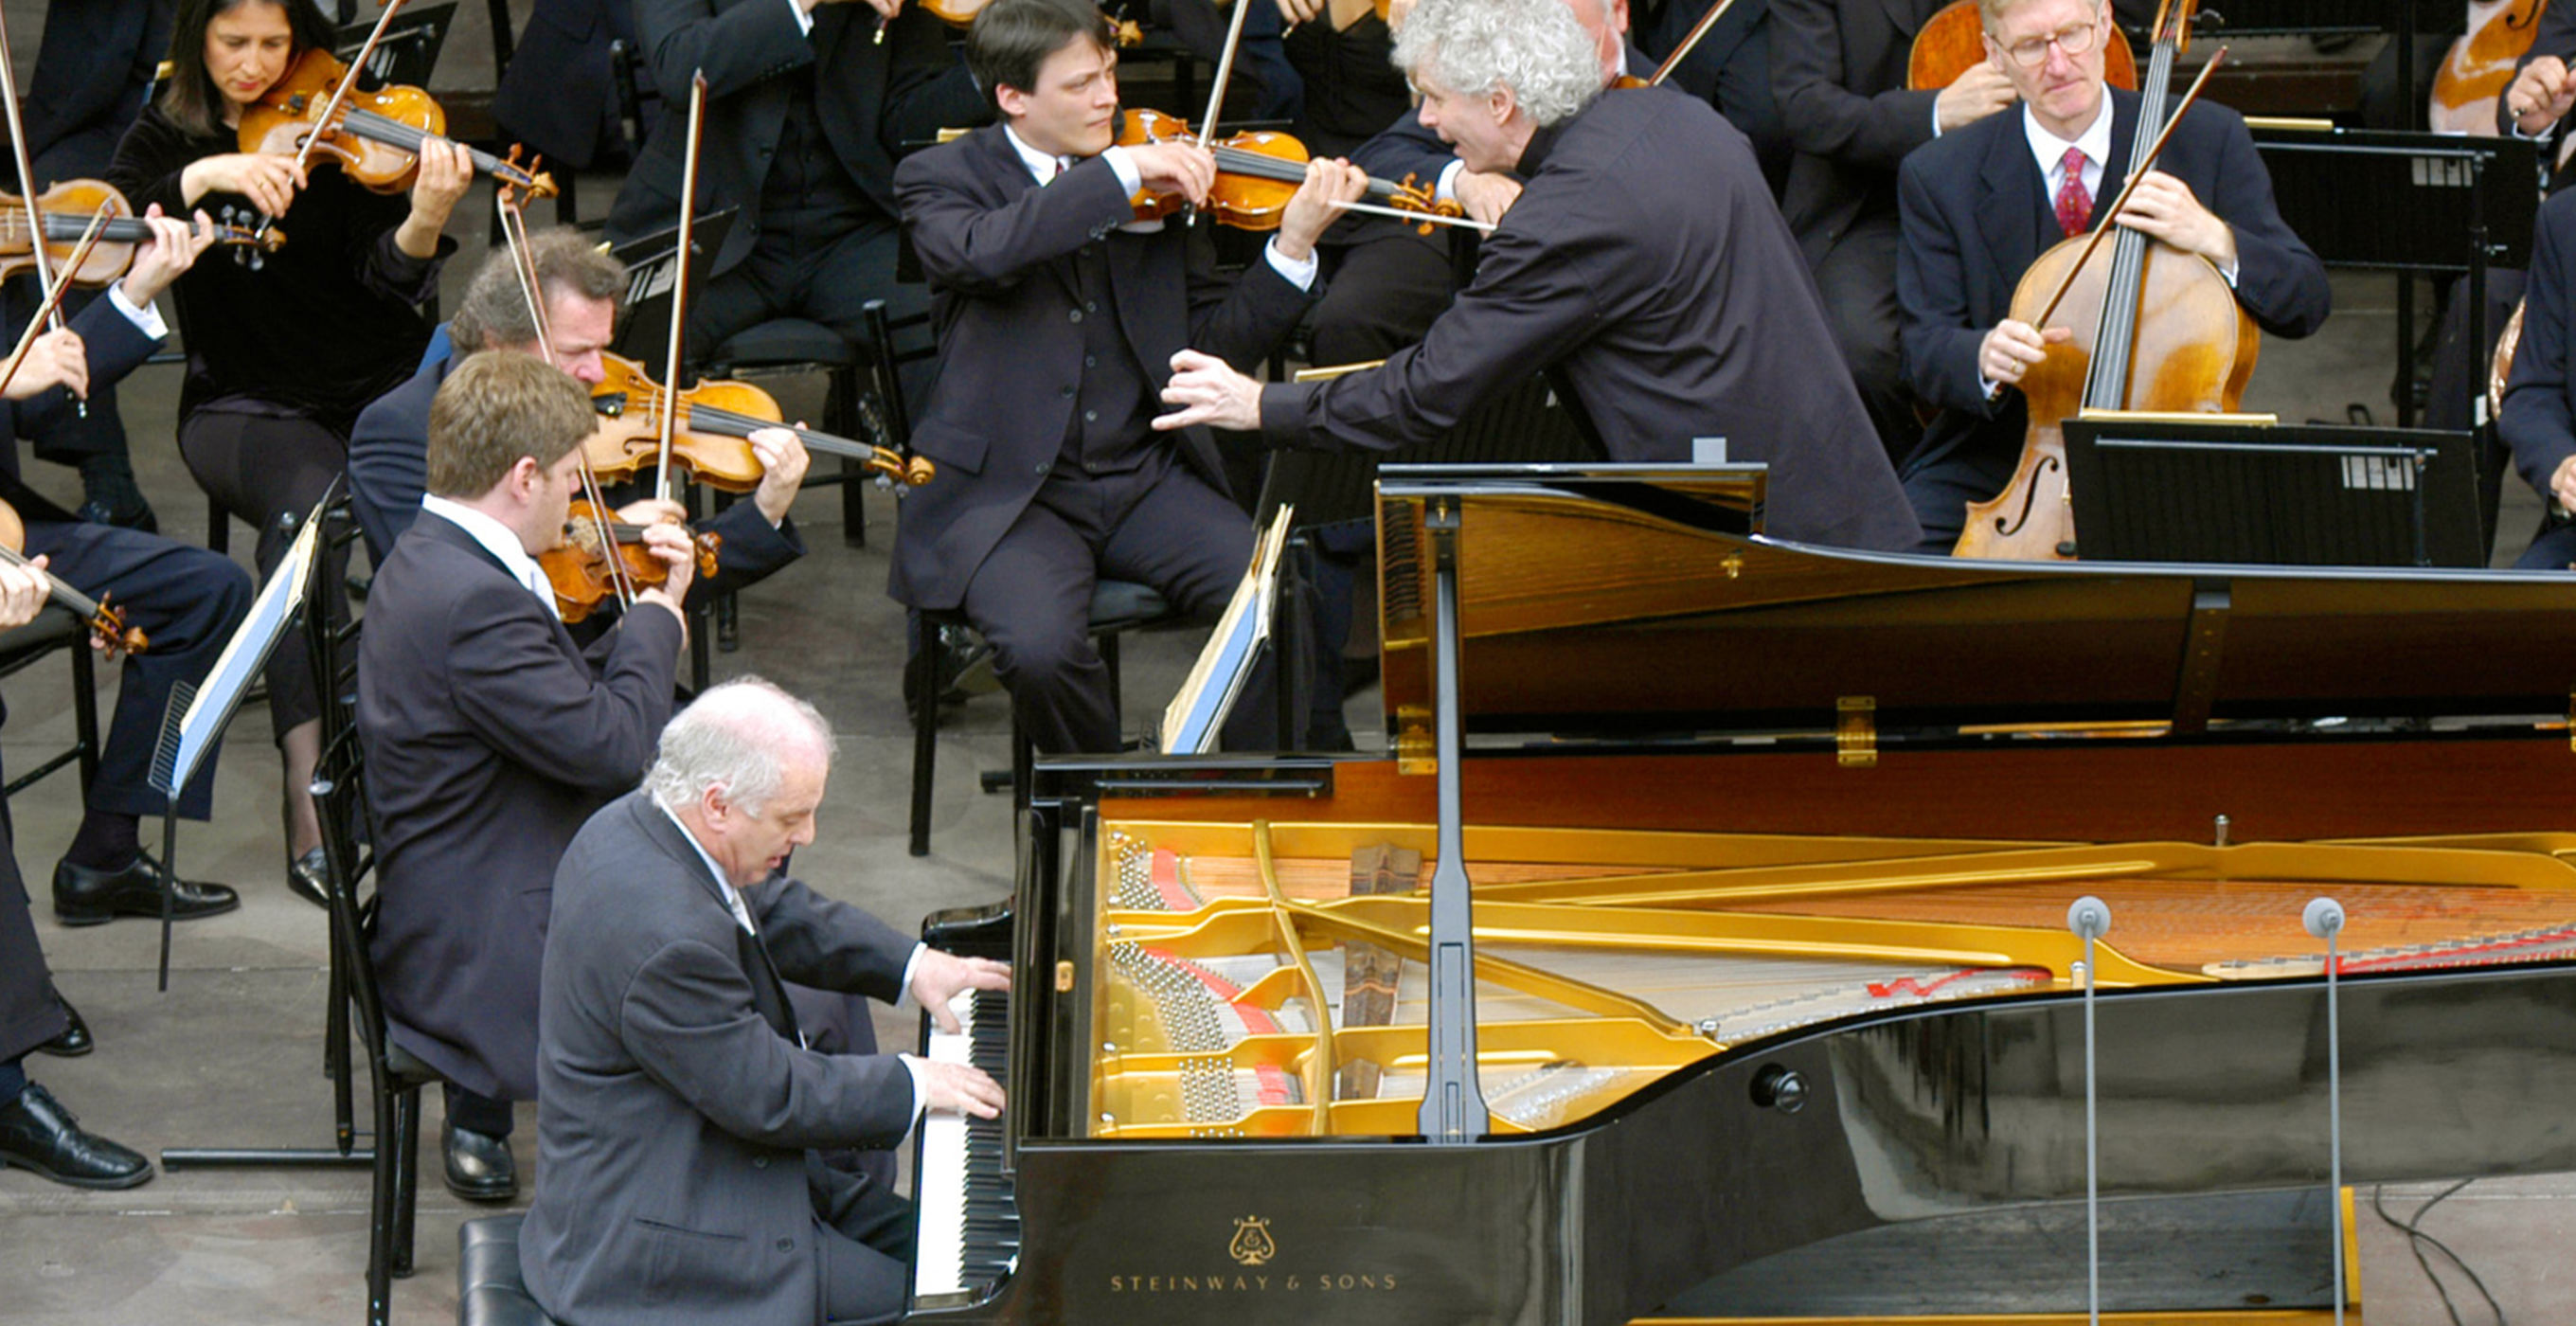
322,326
1353,90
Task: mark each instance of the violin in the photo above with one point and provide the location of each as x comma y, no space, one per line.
375,136
714,420
2480,65
1256,175
586,569
106,623
1953,41
2155,328
67,208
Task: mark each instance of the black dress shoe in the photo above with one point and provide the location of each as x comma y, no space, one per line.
309,877
75,1040
83,896
479,1168
134,515
38,1134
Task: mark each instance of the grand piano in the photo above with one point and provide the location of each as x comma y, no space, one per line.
1738,963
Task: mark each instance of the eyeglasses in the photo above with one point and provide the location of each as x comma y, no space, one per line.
2074,39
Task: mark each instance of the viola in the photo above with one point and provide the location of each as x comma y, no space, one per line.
1256,174
2480,65
105,622
67,208
715,418
2155,328
586,568
1953,41
375,136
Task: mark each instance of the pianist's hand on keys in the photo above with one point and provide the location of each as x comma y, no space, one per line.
940,980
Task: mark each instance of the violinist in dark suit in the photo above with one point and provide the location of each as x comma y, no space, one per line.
1058,315
806,110
489,736
2539,418
680,1108
559,93
1643,261
1840,75
1981,204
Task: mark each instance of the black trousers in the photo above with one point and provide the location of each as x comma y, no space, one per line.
188,601
1388,283
1159,525
270,469
1940,487
29,1013
1857,281
863,1251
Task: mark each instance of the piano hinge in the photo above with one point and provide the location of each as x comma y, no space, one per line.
1414,751
1733,565
1856,731
1064,976
2204,645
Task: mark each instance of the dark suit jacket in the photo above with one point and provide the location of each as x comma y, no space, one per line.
488,739
389,470
2539,419
998,250
871,98
1645,262
672,1184
559,95
92,70
1838,69
1972,214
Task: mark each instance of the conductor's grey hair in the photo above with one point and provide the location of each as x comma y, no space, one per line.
1534,47
738,736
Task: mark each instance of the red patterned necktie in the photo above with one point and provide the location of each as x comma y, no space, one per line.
2074,202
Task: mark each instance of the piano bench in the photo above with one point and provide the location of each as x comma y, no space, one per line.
489,1291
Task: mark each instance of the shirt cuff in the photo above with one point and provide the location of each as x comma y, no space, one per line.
1936,117
146,319
1448,190
1298,272
910,965
2229,271
1129,178
919,1068
804,21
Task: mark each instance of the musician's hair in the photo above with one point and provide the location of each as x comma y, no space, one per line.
496,408
1990,13
189,95
494,312
1011,40
1534,47
734,737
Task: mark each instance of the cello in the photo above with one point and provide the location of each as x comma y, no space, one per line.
2155,328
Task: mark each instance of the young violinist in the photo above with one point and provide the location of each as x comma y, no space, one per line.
188,602
282,352
1980,203
1643,260
490,735
1059,313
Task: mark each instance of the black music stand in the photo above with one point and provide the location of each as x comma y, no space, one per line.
652,262
410,49
2410,203
2165,491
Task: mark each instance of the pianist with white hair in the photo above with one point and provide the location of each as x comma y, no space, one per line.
677,1104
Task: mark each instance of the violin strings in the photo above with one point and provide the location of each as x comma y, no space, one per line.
409,137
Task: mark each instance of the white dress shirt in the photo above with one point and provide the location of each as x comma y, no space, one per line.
500,541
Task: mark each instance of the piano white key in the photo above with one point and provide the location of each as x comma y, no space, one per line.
939,1182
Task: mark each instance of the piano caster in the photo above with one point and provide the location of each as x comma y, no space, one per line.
1778,1088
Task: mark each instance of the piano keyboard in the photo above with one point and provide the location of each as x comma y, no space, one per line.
969,1233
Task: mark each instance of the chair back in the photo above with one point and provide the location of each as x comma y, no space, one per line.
339,788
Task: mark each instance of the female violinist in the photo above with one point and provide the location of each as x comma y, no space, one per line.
283,354
1966,348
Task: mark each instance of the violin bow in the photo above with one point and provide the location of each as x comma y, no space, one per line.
2137,171
1224,71
523,263
47,284
49,317
348,82
1682,52
680,282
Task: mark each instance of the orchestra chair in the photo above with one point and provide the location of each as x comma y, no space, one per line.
58,627
395,1077
489,1288
1117,606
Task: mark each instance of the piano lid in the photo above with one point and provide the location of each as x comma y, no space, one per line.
1605,601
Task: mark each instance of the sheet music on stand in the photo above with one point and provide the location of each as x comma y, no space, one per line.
198,714
1215,682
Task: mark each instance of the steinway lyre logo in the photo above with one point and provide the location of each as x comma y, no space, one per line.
1252,1245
